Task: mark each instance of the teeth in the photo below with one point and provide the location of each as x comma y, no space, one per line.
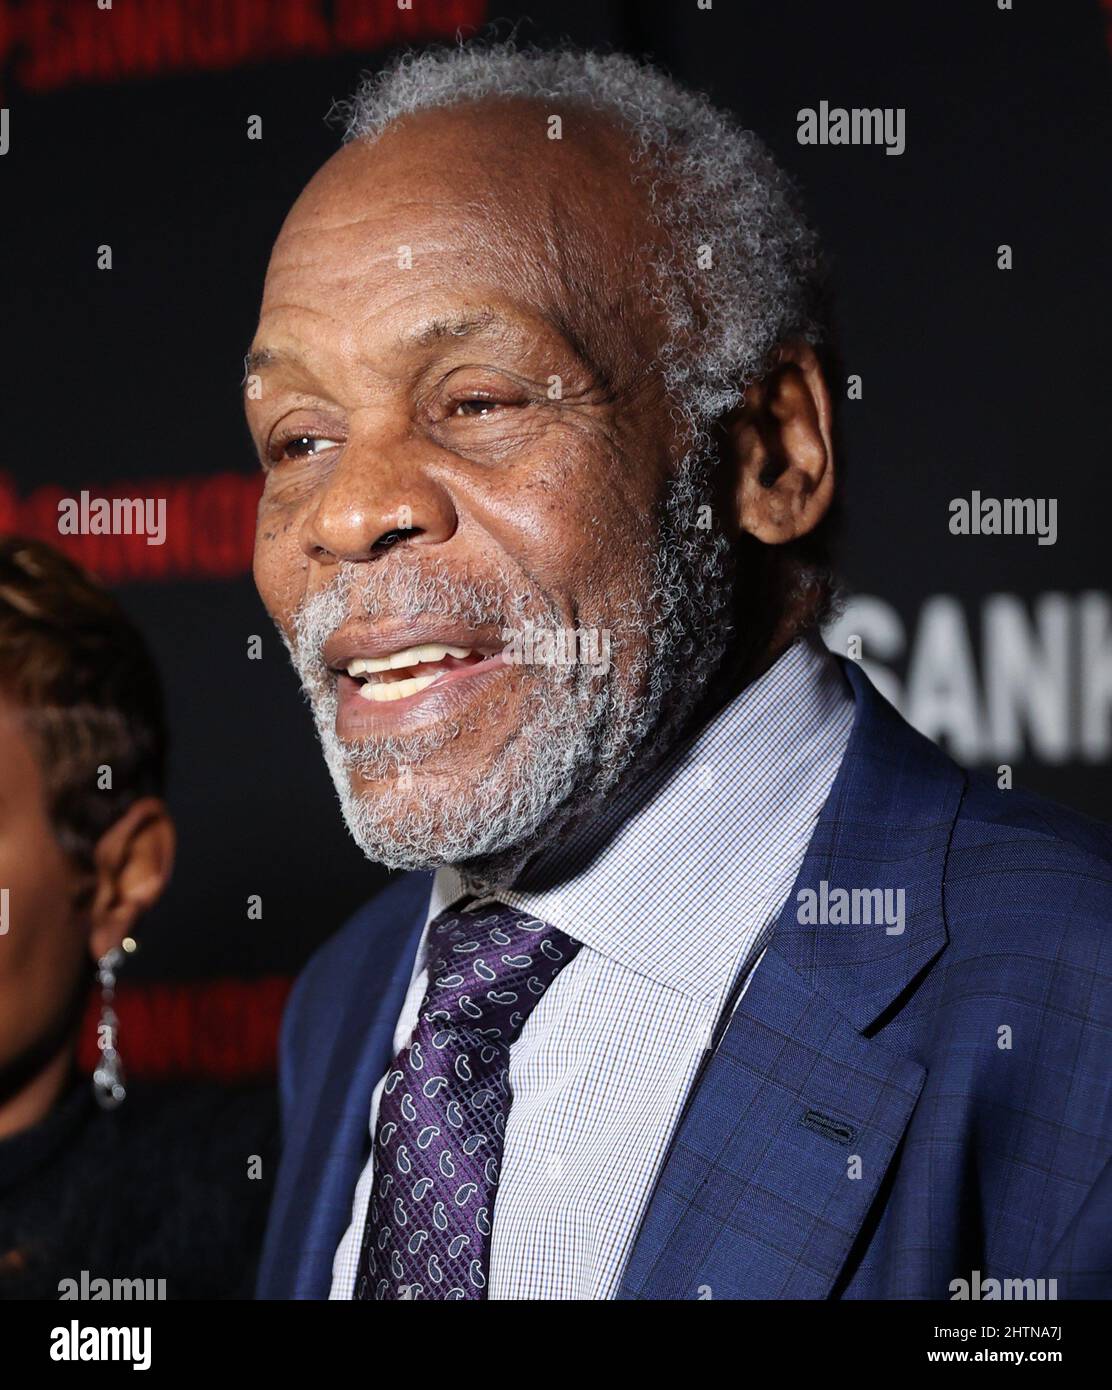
411,656
379,691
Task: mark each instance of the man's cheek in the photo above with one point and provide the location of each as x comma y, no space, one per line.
279,577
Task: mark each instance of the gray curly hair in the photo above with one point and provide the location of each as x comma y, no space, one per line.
715,188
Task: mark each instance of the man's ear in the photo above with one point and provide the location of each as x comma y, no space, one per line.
132,863
779,447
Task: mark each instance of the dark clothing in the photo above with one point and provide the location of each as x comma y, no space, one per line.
156,1189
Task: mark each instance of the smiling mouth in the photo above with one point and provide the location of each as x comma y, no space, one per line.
409,671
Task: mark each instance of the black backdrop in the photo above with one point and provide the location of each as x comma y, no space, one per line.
128,128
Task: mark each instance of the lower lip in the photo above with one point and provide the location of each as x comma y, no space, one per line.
358,718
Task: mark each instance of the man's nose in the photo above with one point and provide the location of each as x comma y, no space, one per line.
378,495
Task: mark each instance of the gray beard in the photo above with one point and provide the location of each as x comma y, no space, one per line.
580,732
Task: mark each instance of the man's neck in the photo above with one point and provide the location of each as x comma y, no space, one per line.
542,870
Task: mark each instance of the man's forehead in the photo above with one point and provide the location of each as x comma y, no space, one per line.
477,165
469,199
514,134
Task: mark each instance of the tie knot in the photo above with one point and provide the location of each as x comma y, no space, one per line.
489,967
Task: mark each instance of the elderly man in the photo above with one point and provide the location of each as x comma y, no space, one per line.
709,976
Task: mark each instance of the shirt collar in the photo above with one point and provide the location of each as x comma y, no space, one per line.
684,875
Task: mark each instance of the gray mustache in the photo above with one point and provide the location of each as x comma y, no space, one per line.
399,594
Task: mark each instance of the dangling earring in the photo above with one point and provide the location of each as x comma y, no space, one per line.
108,1078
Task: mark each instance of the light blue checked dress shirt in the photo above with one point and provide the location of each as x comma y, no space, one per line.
674,914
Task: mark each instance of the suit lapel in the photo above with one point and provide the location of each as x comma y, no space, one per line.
780,1156
796,1118
327,1144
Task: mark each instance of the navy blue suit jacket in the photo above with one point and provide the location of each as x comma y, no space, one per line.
887,1113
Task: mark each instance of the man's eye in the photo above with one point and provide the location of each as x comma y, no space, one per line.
302,446
476,405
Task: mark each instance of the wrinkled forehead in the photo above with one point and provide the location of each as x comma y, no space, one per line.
480,195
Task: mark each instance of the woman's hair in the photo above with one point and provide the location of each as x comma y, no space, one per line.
80,675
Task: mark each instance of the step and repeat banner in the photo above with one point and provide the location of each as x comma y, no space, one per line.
955,159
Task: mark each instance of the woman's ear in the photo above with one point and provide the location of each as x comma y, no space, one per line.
779,446
132,863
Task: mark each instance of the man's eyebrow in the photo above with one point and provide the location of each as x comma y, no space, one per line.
464,324
461,325
257,358
433,331
469,322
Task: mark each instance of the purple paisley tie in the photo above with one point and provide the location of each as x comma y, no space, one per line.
442,1113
